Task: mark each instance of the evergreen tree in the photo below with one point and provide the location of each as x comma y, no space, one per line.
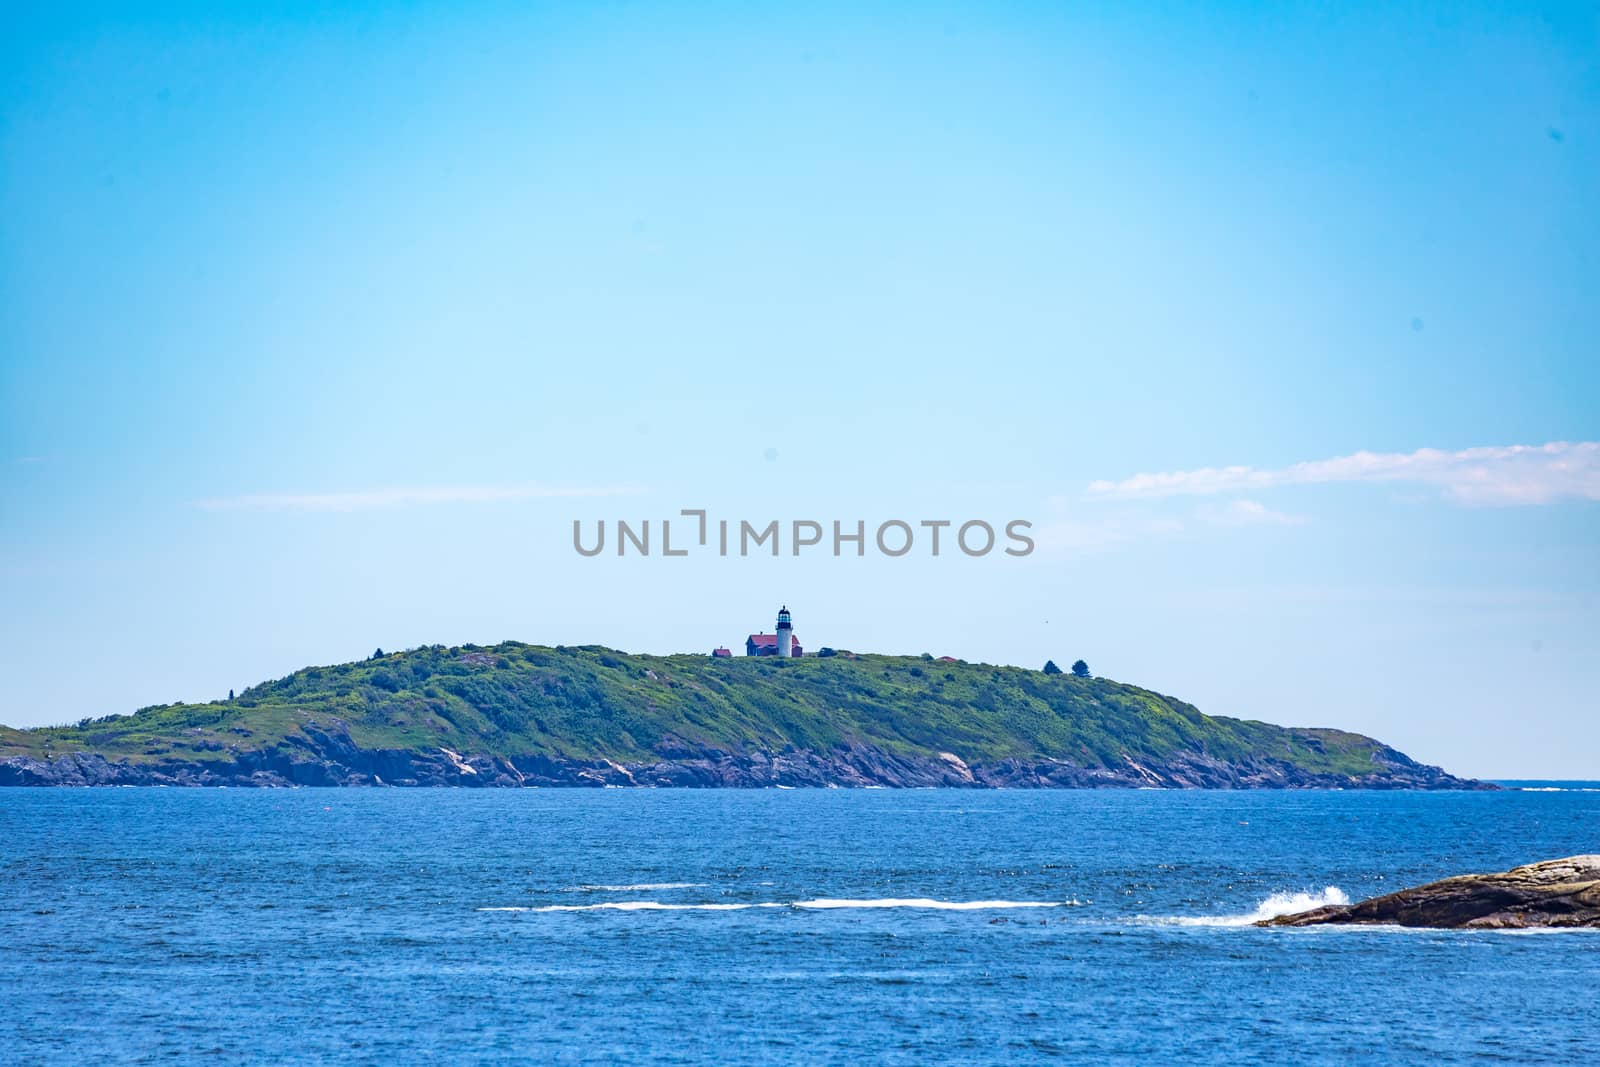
1081,669
1050,667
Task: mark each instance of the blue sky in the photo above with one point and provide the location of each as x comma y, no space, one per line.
965,261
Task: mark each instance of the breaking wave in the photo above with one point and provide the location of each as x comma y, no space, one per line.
1556,789
924,902
1275,905
641,887
634,905
820,904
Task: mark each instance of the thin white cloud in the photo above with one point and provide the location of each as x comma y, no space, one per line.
1084,536
1080,537
383,499
1502,475
1248,513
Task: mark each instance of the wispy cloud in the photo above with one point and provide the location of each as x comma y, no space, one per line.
1075,536
1083,536
1501,475
1247,513
381,499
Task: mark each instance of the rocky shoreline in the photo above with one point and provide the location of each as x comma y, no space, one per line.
327,756
1554,894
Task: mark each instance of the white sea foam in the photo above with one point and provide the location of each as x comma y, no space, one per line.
1556,789
641,887
924,902
1275,905
820,904
648,905
635,905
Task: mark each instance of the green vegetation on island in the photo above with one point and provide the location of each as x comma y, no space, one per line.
529,714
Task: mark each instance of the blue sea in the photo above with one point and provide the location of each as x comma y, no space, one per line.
784,926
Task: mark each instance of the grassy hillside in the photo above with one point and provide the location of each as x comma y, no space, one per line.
589,702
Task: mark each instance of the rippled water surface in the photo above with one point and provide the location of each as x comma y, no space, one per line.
391,926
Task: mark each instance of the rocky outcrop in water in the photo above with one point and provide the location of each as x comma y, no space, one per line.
1562,893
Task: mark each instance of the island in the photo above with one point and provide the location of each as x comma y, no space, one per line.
1553,894
527,715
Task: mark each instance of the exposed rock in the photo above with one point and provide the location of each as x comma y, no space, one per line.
324,754
959,766
1555,893
458,763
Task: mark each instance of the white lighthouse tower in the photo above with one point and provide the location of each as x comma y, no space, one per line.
785,634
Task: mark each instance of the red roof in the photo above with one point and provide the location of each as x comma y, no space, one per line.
768,640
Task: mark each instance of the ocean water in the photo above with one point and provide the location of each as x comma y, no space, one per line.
815,926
